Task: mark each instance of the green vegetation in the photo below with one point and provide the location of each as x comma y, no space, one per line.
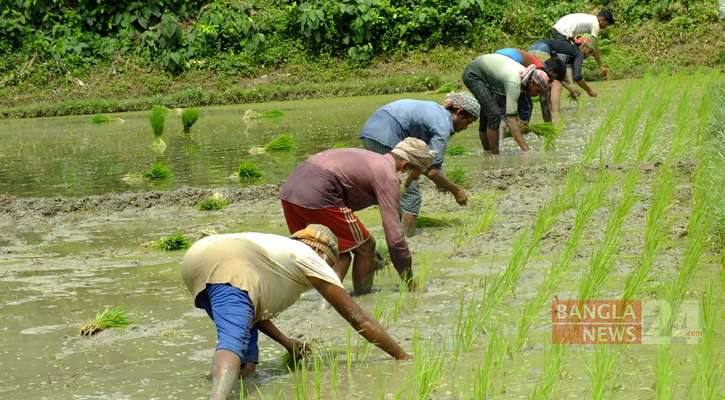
113,318
249,170
458,175
446,88
189,118
281,142
550,141
101,119
457,150
157,117
544,130
340,145
158,171
431,222
215,203
173,242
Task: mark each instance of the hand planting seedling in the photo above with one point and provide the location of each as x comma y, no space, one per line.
101,119
281,142
113,318
302,351
157,117
189,118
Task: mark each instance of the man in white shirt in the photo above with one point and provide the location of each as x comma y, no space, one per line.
572,25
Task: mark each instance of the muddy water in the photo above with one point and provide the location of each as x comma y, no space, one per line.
63,258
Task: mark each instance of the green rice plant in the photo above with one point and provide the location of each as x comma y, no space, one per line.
348,347
457,150
666,373
550,140
249,170
463,330
340,145
626,142
173,242
333,360
555,358
654,120
492,362
485,214
431,222
595,143
317,375
709,368
281,142
299,377
428,365
398,304
101,119
656,229
383,383
113,318
420,278
215,203
362,345
601,371
459,237
708,115
189,118
696,245
157,117
446,88
545,129
458,175
158,171
682,139
273,113
276,395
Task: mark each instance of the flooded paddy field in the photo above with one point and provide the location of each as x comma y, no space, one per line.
481,330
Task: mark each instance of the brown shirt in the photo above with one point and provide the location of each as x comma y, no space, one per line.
356,179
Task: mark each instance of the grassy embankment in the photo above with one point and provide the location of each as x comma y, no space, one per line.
135,85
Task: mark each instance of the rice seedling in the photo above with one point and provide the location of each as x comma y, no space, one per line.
189,118
383,382
544,130
317,376
624,145
654,120
249,170
398,304
431,222
157,117
594,145
102,119
708,368
464,329
428,365
276,395
696,245
555,358
113,318
158,171
273,113
348,347
550,140
458,175
491,363
362,345
333,360
602,372
485,214
215,203
683,139
173,242
446,88
459,237
706,109
457,150
299,377
666,373
282,142
340,145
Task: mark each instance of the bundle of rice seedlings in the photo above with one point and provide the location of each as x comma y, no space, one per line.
340,145
545,129
382,257
446,88
430,222
551,139
189,118
274,113
158,171
157,119
457,150
574,98
302,352
113,318
458,175
249,170
281,142
215,203
101,119
173,242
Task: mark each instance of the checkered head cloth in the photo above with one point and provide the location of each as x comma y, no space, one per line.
539,77
321,238
463,100
586,39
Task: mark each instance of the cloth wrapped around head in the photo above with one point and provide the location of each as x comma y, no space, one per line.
464,101
586,39
538,76
321,238
416,152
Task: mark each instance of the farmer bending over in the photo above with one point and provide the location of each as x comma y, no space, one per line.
242,280
570,26
526,107
331,185
573,56
492,74
430,122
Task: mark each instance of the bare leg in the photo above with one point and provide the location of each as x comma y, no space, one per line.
484,140
363,271
408,224
501,131
555,96
342,265
493,140
225,370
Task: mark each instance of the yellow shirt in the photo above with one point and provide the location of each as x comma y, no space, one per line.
272,269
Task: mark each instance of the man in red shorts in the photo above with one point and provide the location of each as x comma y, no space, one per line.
330,186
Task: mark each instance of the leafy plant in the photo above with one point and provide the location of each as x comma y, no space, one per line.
113,318
189,118
249,170
158,171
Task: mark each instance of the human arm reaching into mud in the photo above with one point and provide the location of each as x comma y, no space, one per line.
441,180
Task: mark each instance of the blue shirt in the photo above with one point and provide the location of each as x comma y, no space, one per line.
512,54
424,120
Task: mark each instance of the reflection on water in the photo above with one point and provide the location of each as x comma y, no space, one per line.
70,156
